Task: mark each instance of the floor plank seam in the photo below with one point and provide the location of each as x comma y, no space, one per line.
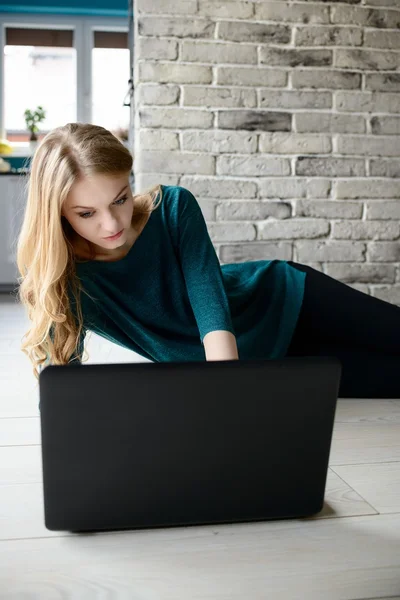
364,463
142,530
377,598
16,417
358,494
18,445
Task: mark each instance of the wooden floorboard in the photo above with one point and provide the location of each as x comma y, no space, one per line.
348,551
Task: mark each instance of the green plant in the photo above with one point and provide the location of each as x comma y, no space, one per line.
33,117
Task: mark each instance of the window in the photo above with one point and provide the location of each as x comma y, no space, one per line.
78,69
39,69
110,60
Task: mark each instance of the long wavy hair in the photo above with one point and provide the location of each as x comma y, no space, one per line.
45,254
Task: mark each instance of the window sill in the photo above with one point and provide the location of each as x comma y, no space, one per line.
21,149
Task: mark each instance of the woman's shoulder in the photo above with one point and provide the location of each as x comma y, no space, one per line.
175,192
174,199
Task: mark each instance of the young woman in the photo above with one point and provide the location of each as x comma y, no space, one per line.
141,271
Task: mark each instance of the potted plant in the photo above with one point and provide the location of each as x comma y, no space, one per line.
31,118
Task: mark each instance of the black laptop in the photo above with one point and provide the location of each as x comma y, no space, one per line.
142,445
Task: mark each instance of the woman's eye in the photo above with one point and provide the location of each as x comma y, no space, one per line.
124,198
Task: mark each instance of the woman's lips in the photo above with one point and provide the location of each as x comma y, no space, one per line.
114,237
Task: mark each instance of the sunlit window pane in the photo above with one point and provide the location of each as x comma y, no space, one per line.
110,75
39,76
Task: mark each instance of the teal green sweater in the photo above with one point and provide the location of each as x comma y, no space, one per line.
170,290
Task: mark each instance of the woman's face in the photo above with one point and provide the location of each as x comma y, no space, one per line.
100,207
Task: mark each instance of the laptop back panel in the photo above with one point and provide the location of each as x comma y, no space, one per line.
168,444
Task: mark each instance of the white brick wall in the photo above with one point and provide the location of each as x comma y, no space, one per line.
283,119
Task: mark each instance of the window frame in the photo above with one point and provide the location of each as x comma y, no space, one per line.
83,27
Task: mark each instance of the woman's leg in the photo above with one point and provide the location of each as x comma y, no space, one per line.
337,312
360,330
365,374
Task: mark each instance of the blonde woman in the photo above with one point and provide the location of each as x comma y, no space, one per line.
141,271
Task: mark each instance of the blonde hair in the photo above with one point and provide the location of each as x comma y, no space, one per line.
45,255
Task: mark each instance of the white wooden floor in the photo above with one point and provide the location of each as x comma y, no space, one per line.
350,550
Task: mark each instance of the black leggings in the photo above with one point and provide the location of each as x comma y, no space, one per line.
363,332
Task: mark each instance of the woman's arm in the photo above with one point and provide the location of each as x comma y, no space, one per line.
203,277
220,345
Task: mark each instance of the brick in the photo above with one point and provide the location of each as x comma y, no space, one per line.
383,252
175,162
388,294
293,229
158,140
154,49
367,188
254,120
176,27
386,82
207,208
185,7
294,188
174,73
175,118
292,143
368,145
363,230
235,232
250,76
318,188
329,123
294,99
372,60
328,251
365,17
382,209
145,181
236,31
253,211
328,209
252,166
361,273
384,168
283,188
329,79
328,36
234,253
387,3
225,10
218,52
385,125
157,94
368,102
219,97
382,39
292,13
330,1
219,142
220,188
330,167
292,57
